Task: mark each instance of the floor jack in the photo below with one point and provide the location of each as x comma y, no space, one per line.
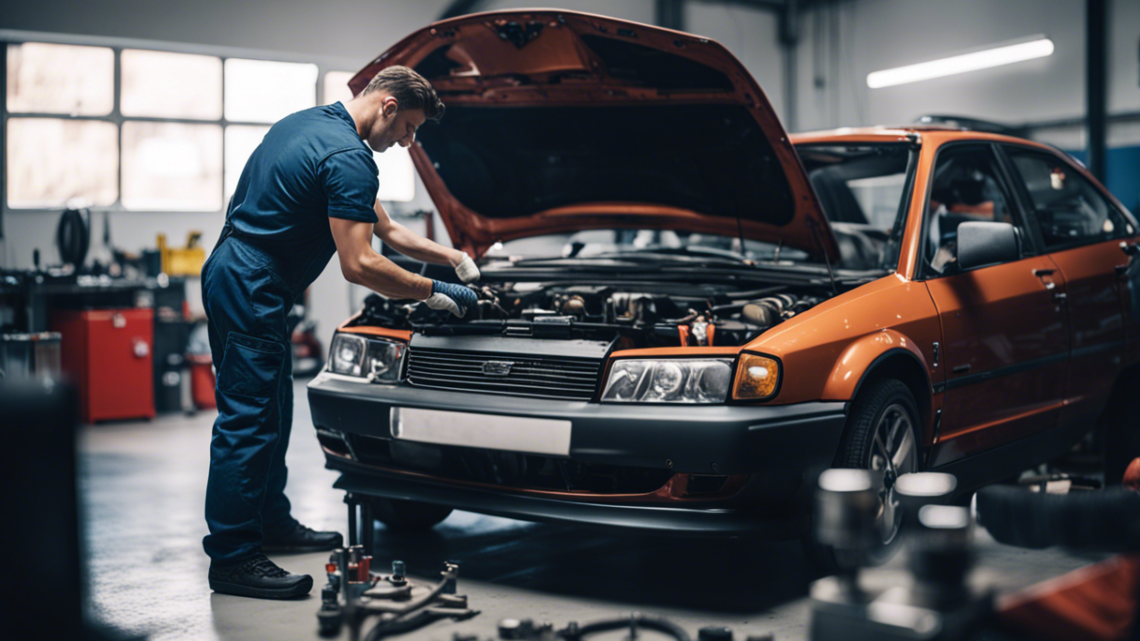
354,594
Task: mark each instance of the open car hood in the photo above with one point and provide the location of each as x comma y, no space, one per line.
559,121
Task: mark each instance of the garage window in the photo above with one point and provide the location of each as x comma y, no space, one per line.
51,160
264,91
60,79
160,84
125,128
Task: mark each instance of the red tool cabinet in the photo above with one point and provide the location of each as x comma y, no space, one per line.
107,353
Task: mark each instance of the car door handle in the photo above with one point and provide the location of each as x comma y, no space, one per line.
1043,272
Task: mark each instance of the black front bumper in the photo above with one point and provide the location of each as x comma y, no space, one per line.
780,447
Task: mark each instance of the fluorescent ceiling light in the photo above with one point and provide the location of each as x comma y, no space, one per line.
993,57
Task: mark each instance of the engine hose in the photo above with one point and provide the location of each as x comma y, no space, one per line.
1106,520
664,626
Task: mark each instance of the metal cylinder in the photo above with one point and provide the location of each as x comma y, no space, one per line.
940,555
846,504
919,489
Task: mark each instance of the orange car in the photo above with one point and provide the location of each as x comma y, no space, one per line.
686,314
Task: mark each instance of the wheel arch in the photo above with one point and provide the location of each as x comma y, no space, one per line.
886,354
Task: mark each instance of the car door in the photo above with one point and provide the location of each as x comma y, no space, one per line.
1005,328
1082,231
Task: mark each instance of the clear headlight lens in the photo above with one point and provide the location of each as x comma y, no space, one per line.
382,361
377,360
757,379
678,380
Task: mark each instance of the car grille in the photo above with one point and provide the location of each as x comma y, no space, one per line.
537,376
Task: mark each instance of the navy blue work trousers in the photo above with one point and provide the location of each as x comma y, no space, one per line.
246,304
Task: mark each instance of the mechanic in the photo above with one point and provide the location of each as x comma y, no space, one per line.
308,190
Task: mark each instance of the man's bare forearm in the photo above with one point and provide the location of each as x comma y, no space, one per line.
410,244
415,246
382,275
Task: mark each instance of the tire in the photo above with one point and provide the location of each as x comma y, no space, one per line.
886,407
408,516
1121,435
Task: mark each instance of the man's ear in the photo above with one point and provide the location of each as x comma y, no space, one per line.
389,107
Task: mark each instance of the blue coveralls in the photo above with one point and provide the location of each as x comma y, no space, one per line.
311,165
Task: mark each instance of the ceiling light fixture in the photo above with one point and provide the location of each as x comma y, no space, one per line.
1036,47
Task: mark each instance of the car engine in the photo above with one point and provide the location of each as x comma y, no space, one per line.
646,316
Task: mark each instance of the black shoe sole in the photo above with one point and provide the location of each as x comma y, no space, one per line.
226,587
299,549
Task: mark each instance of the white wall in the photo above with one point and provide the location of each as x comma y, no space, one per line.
751,35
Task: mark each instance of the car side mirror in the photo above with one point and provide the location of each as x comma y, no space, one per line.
981,244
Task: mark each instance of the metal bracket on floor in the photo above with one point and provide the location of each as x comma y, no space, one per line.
361,523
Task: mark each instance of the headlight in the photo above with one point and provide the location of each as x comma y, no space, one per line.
677,380
757,378
374,359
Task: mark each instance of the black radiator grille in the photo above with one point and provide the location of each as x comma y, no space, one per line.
539,376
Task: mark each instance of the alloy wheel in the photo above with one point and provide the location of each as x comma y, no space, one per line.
893,453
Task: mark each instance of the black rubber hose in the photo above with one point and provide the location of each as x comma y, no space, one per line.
1106,520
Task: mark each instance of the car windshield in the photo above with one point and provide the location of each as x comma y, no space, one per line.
862,190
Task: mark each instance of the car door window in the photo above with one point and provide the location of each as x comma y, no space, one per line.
1069,209
967,186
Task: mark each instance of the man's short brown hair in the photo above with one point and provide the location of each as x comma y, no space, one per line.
410,89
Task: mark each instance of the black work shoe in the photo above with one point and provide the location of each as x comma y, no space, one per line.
301,539
259,578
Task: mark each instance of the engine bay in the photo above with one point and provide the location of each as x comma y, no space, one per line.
651,315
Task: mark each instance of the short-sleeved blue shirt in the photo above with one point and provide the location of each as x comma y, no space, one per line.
310,166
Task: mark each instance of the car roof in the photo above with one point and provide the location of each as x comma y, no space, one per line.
903,133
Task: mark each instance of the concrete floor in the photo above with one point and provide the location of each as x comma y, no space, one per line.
143,485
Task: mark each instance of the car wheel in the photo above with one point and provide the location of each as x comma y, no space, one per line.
881,435
408,516
1121,438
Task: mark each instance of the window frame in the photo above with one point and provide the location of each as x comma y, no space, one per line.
1030,243
1027,203
117,45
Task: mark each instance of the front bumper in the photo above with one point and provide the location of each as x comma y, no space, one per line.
780,448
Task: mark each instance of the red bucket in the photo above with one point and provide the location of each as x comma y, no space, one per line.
202,381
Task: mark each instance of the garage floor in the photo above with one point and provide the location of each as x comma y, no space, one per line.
144,483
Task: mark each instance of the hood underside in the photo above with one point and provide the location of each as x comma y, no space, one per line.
559,121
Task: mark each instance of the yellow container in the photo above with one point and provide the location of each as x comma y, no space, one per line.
182,261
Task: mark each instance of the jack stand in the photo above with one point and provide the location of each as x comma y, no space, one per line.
362,530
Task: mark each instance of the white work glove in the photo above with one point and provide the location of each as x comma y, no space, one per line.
456,299
466,270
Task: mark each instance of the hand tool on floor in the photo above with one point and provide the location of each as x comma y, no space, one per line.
353,595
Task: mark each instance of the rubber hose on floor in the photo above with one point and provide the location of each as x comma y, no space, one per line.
1106,520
